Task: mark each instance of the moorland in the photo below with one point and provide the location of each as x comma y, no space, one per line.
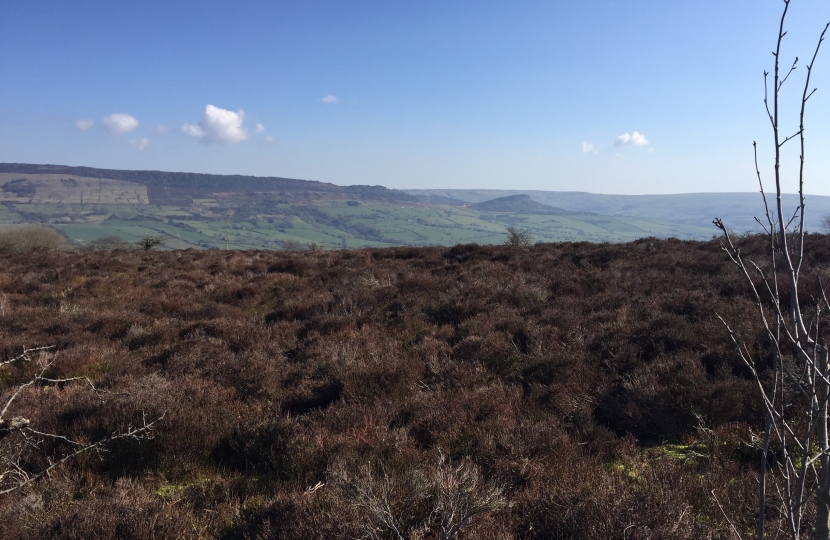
570,390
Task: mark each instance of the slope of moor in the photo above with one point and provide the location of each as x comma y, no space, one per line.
591,383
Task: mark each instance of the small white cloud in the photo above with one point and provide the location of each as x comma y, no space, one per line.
259,128
270,139
633,139
330,100
84,124
159,129
118,123
218,126
141,144
588,148
193,130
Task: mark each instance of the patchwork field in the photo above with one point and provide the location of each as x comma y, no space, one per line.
327,224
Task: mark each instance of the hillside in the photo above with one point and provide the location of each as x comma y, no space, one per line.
165,188
298,388
69,189
521,204
245,212
692,209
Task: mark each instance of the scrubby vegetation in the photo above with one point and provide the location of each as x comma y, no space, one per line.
562,390
17,238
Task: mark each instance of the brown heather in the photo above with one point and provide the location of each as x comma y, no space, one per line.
588,388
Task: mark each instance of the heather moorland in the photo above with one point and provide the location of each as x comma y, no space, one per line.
569,390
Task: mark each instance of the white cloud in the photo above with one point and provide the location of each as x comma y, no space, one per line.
330,100
259,128
141,144
589,148
218,126
193,130
270,139
118,123
84,124
160,129
633,139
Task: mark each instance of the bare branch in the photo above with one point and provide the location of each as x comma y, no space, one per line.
138,433
793,136
787,76
731,525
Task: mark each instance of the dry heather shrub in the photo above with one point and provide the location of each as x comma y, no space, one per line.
18,238
278,370
414,503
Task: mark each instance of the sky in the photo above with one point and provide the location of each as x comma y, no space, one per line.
627,97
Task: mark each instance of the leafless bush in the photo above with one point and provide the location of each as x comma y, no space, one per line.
17,238
420,504
150,242
461,496
517,237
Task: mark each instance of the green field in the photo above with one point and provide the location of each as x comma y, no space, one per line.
327,224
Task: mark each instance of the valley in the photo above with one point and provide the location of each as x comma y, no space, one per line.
243,212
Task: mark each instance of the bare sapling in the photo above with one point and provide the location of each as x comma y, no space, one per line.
792,378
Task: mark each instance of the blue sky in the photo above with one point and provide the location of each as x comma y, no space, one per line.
428,94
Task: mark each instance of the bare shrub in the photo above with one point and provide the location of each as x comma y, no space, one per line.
17,238
517,237
420,504
151,242
461,497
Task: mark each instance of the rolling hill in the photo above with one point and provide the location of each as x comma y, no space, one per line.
247,212
695,209
521,204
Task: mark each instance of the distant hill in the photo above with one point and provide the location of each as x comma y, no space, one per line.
438,199
249,212
178,188
738,210
521,204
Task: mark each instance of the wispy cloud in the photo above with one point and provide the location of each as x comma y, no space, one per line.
84,124
218,126
119,123
632,139
259,128
193,130
270,139
160,128
141,144
589,148
330,100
